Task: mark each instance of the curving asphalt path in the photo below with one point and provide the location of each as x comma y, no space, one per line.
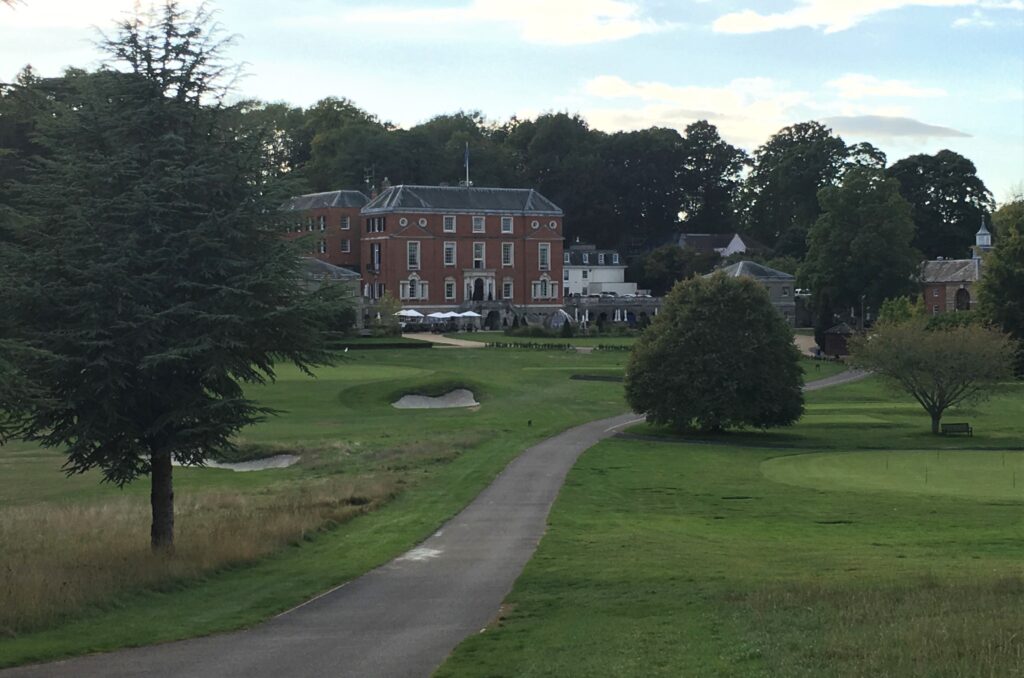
837,379
401,619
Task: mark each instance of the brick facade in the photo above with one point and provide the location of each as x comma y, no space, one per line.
948,285
329,224
445,247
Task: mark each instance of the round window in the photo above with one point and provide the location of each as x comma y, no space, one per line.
423,221
535,224
552,224
403,222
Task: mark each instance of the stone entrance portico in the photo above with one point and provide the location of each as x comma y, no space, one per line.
480,285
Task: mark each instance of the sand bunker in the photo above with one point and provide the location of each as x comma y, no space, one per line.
460,397
277,461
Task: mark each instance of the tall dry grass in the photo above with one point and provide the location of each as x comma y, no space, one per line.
919,628
56,560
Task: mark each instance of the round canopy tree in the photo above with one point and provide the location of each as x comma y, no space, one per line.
718,355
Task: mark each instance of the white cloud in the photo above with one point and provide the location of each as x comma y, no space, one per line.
833,16
746,110
890,127
565,22
859,86
35,14
749,110
976,18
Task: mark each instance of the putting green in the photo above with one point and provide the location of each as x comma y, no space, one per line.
973,474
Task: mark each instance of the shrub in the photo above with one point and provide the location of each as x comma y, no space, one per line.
717,356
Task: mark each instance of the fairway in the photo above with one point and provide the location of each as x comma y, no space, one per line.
782,554
979,474
372,481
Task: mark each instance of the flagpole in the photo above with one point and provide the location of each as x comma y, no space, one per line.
467,164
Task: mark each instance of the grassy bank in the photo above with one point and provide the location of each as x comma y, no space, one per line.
805,557
372,482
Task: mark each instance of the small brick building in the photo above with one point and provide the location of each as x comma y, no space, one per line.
948,285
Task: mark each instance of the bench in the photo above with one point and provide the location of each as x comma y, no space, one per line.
957,428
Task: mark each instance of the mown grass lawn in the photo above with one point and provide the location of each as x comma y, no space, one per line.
793,553
414,469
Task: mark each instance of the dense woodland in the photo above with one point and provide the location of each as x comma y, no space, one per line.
635,191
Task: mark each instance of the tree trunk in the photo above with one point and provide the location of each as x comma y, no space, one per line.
936,418
161,500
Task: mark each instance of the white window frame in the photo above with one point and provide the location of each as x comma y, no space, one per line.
346,245
448,223
323,223
452,247
565,257
508,248
412,255
413,289
544,256
479,224
309,224
507,289
584,275
483,255
600,260
376,254
449,289
346,222
544,288
615,257
322,246
586,258
506,225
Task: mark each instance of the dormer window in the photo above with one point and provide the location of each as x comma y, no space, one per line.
566,257
586,258
600,259
615,257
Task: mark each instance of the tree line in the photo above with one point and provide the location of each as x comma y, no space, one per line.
852,226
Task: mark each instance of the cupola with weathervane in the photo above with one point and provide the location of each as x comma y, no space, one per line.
982,240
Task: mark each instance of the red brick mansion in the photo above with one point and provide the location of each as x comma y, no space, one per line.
495,250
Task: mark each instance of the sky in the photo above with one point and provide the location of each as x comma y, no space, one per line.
910,76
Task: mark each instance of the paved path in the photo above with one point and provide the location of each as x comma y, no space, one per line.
402,619
442,340
836,379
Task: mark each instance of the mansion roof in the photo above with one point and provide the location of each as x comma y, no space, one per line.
951,271
316,269
595,258
705,242
313,201
456,199
751,269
